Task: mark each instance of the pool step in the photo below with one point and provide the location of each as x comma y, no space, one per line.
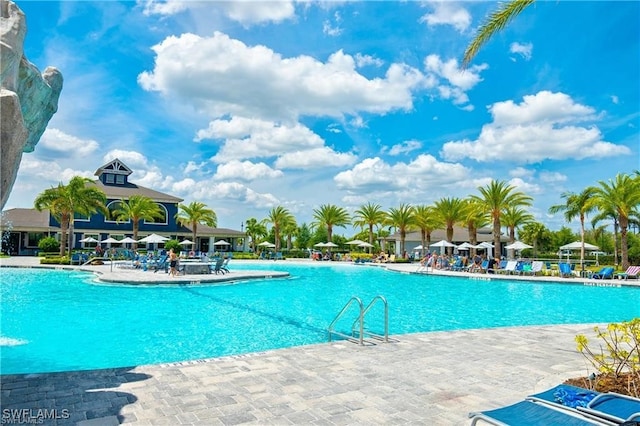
357,328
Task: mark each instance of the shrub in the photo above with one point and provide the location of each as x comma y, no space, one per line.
173,244
55,260
49,244
619,352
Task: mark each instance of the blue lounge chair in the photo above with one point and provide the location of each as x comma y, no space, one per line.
217,267
565,270
532,414
604,273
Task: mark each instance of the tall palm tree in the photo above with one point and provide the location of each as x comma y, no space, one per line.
255,230
495,22
137,208
512,218
403,219
622,195
280,218
495,198
289,231
64,201
474,218
196,213
609,213
329,215
451,211
577,205
369,215
427,221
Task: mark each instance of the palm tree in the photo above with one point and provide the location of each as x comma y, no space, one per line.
196,213
427,221
329,216
450,211
403,219
474,218
280,218
495,198
533,233
512,218
369,215
137,208
577,205
64,201
290,230
254,230
495,22
622,195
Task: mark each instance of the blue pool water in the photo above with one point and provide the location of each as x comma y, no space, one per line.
54,320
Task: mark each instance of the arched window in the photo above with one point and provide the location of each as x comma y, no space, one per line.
112,207
164,220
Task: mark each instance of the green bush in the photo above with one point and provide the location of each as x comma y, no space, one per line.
49,244
618,353
55,260
173,244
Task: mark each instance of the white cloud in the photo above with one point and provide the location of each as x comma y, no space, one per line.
450,81
332,30
245,170
552,177
615,99
447,13
405,147
315,158
521,172
245,12
526,187
543,126
255,81
366,60
57,143
376,174
522,49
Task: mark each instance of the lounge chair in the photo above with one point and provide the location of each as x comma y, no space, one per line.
531,413
225,265
608,408
536,268
510,267
604,273
217,267
76,259
565,270
631,272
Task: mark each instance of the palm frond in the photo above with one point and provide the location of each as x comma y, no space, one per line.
495,22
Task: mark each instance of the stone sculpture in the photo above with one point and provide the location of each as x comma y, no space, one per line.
28,99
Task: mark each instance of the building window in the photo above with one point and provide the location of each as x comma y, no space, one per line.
112,207
120,179
109,178
163,220
77,217
33,238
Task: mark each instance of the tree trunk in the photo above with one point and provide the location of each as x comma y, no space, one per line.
624,224
496,236
582,242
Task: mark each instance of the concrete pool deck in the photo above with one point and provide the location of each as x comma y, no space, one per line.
424,378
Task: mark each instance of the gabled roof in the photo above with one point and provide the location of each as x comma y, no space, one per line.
204,230
115,167
26,219
126,191
460,235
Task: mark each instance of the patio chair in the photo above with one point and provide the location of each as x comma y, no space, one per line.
510,267
217,267
565,270
531,413
631,272
536,268
613,407
225,265
604,273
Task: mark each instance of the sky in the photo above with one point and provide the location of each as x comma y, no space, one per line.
249,105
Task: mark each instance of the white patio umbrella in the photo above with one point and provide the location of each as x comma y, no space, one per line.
442,244
354,242
185,242
222,243
517,245
320,245
418,247
266,244
110,240
128,240
88,240
330,244
153,238
466,246
365,244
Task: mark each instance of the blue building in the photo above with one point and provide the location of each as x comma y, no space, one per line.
23,228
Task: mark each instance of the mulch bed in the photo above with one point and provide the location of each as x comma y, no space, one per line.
626,384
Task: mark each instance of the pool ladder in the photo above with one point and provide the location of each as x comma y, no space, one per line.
358,331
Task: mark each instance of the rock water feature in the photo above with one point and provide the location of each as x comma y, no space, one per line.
28,99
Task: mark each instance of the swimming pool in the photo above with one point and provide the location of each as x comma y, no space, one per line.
54,320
